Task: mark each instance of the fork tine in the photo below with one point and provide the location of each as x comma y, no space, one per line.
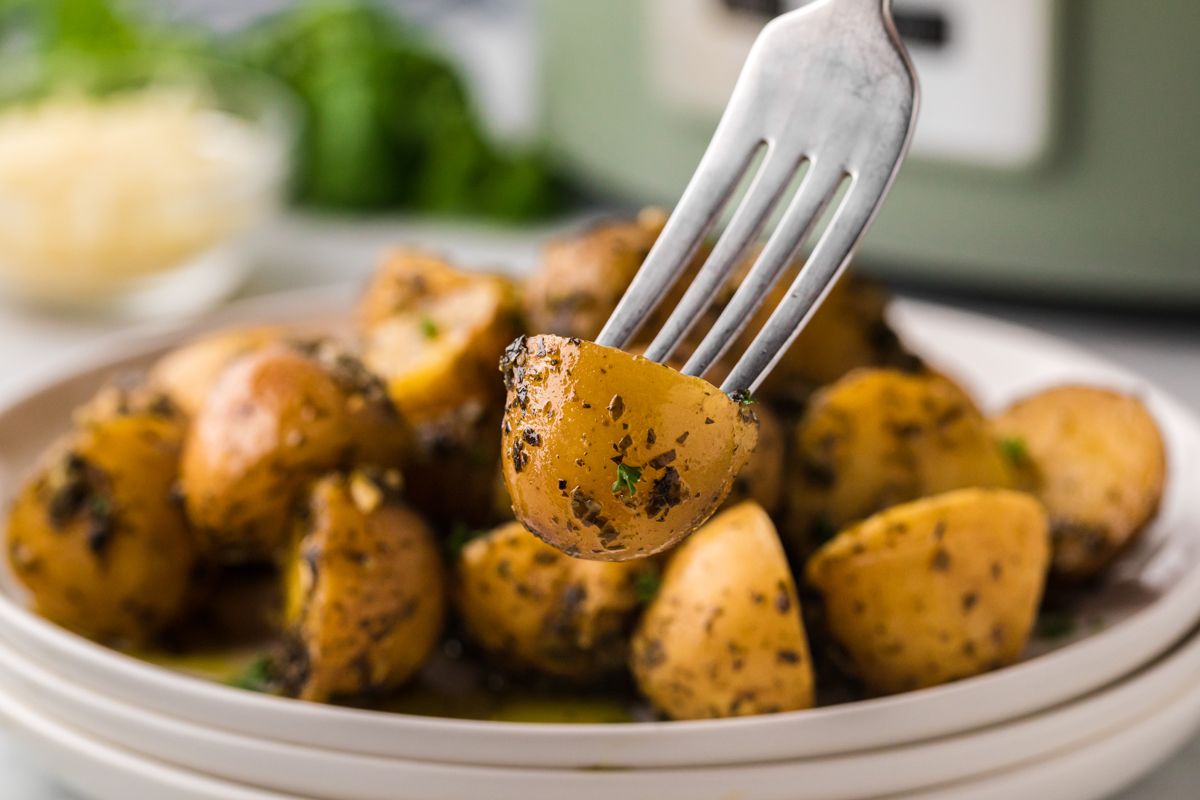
815,280
802,214
764,194
724,163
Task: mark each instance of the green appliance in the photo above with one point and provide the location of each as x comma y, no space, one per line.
1058,152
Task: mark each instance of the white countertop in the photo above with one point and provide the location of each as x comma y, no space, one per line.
313,252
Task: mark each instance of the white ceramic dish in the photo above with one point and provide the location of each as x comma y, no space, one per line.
1105,764
333,775
1148,603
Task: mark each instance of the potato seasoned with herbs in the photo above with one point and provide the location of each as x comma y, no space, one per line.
582,278
275,420
935,590
96,535
724,636
188,373
761,480
365,591
609,456
434,334
880,437
1099,464
535,608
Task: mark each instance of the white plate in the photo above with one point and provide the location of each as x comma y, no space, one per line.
1105,764
333,775
1147,604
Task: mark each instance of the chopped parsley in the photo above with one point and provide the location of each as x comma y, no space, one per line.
1054,625
647,587
627,476
256,677
460,536
1014,450
743,397
429,328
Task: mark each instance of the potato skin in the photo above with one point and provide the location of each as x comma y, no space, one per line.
1100,468
576,410
583,277
724,636
535,608
879,437
935,590
275,420
95,534
366,593
188,373
434,333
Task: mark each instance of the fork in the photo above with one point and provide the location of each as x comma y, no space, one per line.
829,84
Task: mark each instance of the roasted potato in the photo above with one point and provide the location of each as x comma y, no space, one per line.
609,456
275,420
761,480
937,589
188,373
435,334
880,437
96,535
724,637
534,608
582,278
365,592
1100,468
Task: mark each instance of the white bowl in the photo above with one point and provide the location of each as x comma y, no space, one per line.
334,775
1103,763
1148,603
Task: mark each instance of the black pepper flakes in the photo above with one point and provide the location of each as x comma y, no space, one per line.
531,437
682,438
708,420
661,460
562,484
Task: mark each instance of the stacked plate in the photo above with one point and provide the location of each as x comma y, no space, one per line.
1077,719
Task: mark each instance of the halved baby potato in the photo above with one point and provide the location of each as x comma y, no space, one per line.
188,373
434,334
366,594
935,590
609,456
879,437
535,608
1100,468
275,420
96,535
724,636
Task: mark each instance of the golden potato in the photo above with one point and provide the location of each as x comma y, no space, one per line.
276,419
188,373
434,334
877,438
533,607
582,278
96,536
724,637
935,590
761,480
608,456
1100,469
365,592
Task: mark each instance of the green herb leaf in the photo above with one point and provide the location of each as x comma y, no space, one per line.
1055,625
647,587
627,476
429,328
460,536
743,397
1014,450
256,677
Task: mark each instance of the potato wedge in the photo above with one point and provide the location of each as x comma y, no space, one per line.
95,534
434,334
582,278
365,592
880,437
935,590
1100,467
609,456
188,373
724,636
534,608
275,420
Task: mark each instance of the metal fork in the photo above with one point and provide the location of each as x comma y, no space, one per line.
829,84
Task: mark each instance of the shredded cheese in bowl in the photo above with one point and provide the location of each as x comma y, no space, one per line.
96,193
